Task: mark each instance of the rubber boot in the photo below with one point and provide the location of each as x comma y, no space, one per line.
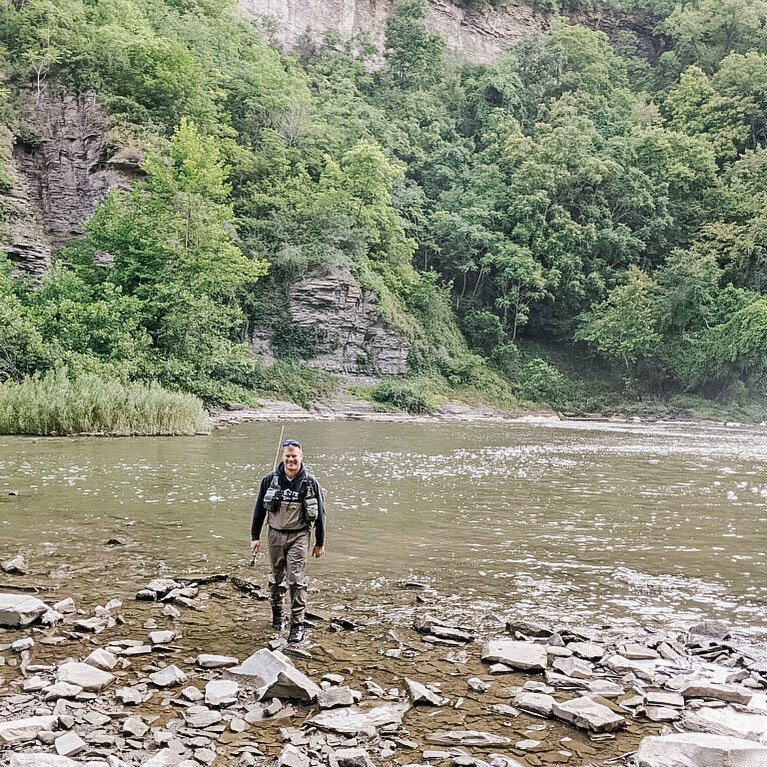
297,633
277,618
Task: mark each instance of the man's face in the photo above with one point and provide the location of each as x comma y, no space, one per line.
292,457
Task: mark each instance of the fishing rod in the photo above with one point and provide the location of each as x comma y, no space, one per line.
274,468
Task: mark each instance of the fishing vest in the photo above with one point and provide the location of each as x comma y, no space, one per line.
290,509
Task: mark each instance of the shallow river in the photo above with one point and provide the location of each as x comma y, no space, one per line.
596,525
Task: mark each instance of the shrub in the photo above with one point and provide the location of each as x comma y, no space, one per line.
57,404
407,396
542,382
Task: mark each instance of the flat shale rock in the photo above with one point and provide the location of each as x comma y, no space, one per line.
41,760
420,693
166,757
335,697
22,730
20,609
588,715
170,676
292,757
215,661
353,720
693,749
536,702
221,692
467,738
69,744
274,676
519,655
200,717
350,757
587,650
726,692
728,721
84,675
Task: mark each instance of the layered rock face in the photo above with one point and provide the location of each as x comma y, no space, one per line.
60,172
351,336
474,35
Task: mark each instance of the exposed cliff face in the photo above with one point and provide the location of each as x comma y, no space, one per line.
474,35
60,173
352,337
477,35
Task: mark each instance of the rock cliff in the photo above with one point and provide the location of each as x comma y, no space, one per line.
473,35
351,337
59,172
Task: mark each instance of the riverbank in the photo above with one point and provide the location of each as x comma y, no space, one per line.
280,410
186,671
350,409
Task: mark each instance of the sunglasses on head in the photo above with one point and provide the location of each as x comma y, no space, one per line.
291,443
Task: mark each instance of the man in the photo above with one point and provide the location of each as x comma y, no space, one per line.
291,501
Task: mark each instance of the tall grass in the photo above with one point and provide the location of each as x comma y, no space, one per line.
55,404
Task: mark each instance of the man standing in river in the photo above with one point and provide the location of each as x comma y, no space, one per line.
292,502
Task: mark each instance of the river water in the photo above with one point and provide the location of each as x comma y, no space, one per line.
617,526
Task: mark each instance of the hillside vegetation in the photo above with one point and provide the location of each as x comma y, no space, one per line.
571,226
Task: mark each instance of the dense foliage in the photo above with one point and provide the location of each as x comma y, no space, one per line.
571,208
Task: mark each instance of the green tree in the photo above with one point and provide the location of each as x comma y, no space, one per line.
624,326
706,31
414,55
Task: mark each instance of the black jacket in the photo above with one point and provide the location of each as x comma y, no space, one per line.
259,512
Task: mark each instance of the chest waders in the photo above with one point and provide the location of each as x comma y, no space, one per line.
290,517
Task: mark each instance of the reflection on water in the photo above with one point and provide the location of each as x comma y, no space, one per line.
595,524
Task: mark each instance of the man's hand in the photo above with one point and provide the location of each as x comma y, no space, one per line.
319,551
255,546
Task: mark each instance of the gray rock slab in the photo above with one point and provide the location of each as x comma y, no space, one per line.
661,698
135,727
221,692
41,760
162,637
274,676
536,702
605,688
353,720
335,697
170,676
634,651
129,696
662,713
420,693
215,661
15,565
69,744
61,690
577,668
352,757
166,757
102,659
20,609
587,650
726,692
199,717
588,715
21,730
94,625
290,756
84,675
695,749
527,656
467,738
65,606
728,721
621,665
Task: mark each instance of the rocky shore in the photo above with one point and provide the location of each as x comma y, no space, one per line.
127,683
350,409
